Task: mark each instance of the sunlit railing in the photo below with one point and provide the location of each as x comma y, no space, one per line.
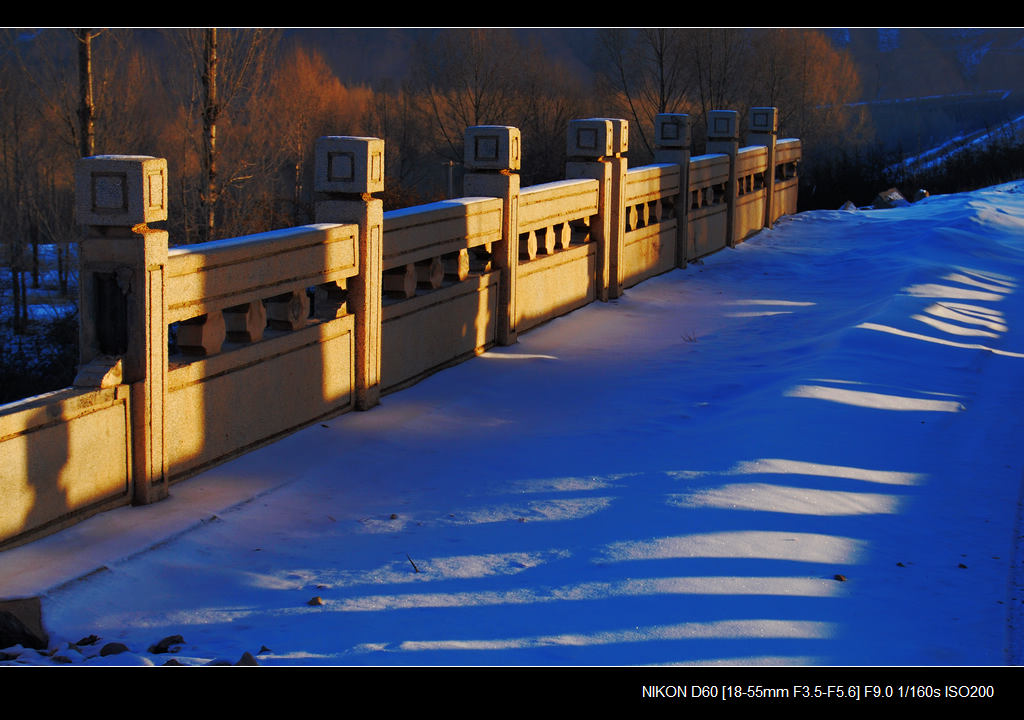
191,355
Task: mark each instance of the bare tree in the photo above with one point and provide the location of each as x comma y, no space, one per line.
720,58
86,107
469,77
812,83
648,71
400,117
225,76
305,100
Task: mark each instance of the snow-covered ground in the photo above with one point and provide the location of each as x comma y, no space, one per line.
804,451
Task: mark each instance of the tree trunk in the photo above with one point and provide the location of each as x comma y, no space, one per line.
210,111
86,109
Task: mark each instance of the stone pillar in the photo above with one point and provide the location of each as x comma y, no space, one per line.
348,170
121,295
723,137
764,130
595,148
672,145
493,158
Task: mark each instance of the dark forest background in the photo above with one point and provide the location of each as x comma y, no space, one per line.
236,114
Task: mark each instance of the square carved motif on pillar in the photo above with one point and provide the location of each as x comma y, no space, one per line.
121,190
349,164
341,167
155,195
109,192
492,147
763,120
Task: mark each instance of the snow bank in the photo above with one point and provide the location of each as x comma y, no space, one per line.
799,452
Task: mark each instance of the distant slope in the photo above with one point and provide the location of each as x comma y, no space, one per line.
911,62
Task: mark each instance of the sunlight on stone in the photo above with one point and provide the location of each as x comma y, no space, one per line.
878,401
939,341
797,546
800,467
735,629
799,501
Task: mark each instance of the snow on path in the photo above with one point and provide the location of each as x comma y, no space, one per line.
798,452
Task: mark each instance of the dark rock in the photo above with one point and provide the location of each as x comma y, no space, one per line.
315,601
890,198
921,194
21,623
172,662
165,644
113,648
247,659
90,640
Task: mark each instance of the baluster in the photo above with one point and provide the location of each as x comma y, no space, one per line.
203,335
548,246
528,246
456,265
430,273
564,235
288,311
245,323
400,282
330,300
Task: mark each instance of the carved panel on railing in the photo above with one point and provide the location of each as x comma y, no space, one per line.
709,175
224,273
249,317
751,192
649,246
751,165
788,154
427,246
440,290
557,268
650,191
232,290
555,216
707,226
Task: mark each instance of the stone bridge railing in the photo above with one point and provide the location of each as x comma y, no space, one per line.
191,355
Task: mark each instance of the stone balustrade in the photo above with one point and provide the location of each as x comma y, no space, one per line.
437,276
191,355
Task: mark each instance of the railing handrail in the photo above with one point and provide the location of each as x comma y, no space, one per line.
471,272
